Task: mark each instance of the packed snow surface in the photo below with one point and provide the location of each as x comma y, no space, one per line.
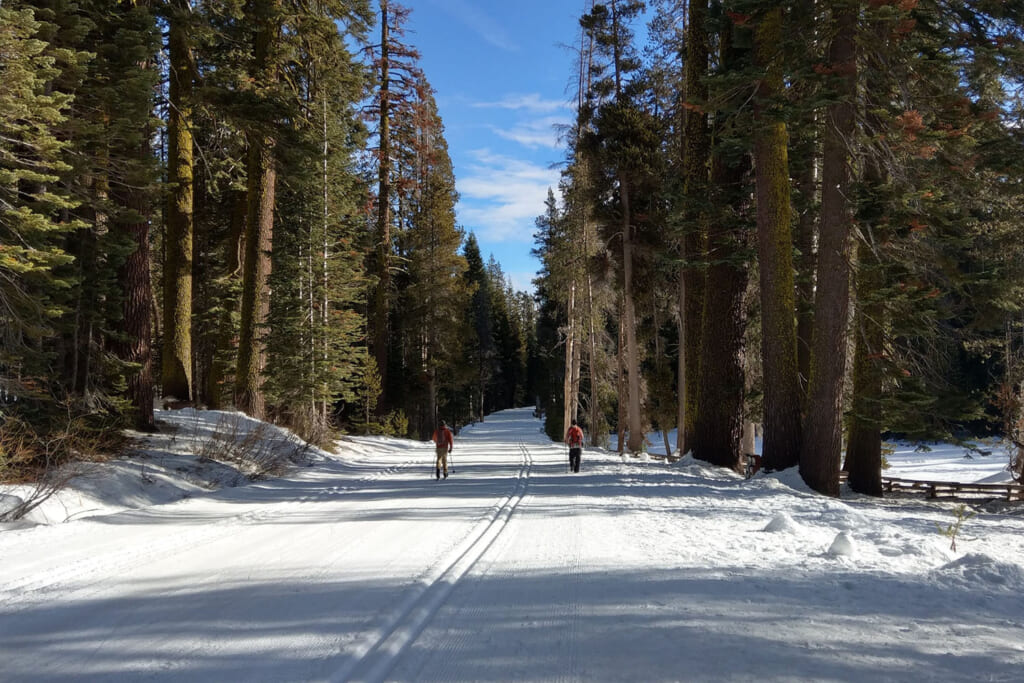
359,565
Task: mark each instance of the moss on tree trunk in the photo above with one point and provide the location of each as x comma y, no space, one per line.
176,356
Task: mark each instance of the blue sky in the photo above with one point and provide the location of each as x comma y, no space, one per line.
501,73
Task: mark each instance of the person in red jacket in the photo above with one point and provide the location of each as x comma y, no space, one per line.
443,442
574,439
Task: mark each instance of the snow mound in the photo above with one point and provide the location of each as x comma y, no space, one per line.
791,478
840,516
705,470
782,523
842,546
977,568
9,501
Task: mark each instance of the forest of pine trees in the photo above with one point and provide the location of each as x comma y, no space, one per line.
237,204
802,218
799,218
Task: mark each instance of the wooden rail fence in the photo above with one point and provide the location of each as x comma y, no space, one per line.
950,490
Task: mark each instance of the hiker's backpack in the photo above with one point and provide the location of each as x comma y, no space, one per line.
575,436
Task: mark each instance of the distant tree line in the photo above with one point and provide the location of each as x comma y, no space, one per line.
230,203
805,215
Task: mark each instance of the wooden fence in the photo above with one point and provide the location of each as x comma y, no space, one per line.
950,490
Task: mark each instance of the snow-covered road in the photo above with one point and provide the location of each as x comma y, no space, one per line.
366,568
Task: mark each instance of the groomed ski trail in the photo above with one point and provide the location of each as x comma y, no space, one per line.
366,568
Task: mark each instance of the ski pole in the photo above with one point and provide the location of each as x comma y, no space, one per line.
451,462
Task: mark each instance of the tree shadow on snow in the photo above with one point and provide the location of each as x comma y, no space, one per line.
560,624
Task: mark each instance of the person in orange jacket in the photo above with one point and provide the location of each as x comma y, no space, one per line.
574,439
443,442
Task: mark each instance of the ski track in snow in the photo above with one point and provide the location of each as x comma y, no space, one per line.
365,568
375,662
461,644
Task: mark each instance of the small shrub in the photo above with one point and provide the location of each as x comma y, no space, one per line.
394,423
951,530
257,449
49,451
308,423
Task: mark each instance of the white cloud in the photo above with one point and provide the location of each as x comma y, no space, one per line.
500,196
522,281
531,102
538,133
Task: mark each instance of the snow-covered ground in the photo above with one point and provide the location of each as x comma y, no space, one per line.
361,566
978,461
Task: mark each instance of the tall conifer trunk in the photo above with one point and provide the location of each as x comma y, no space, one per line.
864,441
589,328
632,351
570,389
775,256
822,430
134,277
620,381
138,291
804,170
636,429
176,375
696,153
261,187
718,426
255,275
577,359
595,402
381,301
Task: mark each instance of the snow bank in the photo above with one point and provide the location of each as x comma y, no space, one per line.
978,568
184,459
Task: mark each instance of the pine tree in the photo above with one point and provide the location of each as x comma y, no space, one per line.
821,448
479,346
176,354
32,160
930,216
126,80
800,26
508,382
436,290
223,108
775,256
695,164
315,356
718,424
863,459
261,170
620,127
399,78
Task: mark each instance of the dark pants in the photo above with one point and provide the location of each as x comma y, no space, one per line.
574,459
